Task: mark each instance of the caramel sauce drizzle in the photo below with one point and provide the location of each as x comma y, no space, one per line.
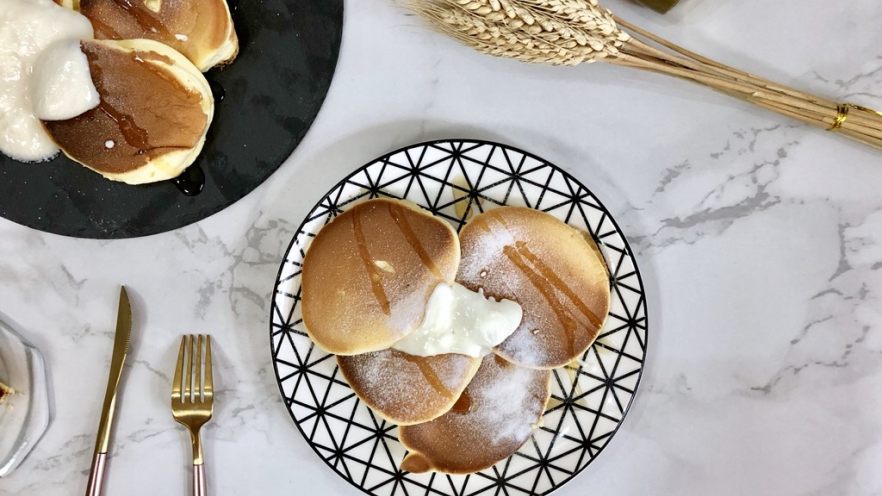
398,215
143,17
463,404
429,374
546,281
134,135
103,30
372,270
559,284
547,291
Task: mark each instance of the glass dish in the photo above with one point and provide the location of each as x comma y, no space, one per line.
26,414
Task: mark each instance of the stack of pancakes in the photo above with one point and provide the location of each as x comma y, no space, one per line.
156,106
367,278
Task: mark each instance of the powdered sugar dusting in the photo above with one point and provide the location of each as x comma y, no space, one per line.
405,388
548,268
492,419
507,402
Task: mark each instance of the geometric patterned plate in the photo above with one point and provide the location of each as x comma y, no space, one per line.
454,179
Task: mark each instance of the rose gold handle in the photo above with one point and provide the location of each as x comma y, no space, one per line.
96,476
199,480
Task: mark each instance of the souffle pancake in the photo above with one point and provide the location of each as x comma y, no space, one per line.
463,368
406,389
152,119
368,275
552,270
492,418
201,30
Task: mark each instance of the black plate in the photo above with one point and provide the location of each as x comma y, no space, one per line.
266,102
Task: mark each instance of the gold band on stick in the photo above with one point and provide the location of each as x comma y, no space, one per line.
842,114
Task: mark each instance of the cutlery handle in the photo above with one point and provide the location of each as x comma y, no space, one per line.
199,480
96,475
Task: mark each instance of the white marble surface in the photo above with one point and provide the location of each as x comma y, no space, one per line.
760,242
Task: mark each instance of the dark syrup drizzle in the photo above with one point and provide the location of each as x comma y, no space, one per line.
217,91
191,181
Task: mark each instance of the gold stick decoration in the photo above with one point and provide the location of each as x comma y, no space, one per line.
572,32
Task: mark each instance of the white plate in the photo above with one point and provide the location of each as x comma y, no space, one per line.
452,179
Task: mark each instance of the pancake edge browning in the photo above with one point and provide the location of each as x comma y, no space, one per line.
449,276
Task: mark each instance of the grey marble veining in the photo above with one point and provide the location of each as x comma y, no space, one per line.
760,241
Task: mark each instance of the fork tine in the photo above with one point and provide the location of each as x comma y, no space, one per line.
188,378
179,371
197,380
209,382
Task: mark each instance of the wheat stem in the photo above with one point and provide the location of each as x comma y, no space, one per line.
722,68
569,32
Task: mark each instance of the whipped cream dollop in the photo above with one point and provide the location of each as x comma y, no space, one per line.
33,85
458,320
61,84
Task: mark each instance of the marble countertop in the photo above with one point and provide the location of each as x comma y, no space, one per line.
760,241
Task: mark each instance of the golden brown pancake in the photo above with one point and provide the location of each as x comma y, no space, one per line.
406,389
200,29
550,269
494,416
154,113
368,275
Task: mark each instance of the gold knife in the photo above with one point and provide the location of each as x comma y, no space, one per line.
120,350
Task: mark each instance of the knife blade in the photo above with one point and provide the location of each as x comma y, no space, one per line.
117,361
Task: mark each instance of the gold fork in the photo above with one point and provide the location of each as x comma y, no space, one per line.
192,398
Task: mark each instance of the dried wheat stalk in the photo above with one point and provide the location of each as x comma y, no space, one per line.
570,32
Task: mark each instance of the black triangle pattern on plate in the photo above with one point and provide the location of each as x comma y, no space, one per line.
590,397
